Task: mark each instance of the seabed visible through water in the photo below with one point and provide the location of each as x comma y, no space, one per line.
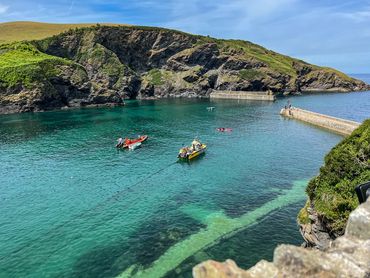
74,206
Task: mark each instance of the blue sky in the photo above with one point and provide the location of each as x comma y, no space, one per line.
323,32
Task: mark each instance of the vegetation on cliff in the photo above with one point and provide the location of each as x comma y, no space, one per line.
115,62
331,193
31,80
24,64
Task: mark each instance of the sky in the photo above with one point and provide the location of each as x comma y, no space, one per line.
334,33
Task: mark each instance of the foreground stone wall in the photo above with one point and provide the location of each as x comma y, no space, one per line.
349,256
249,95
338,125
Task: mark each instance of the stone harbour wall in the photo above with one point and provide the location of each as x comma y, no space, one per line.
348,256
248,95
344,127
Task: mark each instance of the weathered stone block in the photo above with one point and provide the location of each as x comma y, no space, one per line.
358,225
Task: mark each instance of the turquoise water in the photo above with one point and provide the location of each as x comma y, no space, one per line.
73,206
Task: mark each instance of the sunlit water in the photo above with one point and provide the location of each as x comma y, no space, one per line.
73,206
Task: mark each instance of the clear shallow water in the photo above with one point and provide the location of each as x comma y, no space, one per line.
73,206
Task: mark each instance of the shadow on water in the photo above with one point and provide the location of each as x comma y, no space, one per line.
21,127
253,240
235,199
142,248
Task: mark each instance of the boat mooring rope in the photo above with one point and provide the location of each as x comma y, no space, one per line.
115,197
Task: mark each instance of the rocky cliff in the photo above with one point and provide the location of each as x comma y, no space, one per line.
331,194
105,64
347,257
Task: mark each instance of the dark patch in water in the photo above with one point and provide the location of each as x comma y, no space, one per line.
236,199
142,248
235,205
250,245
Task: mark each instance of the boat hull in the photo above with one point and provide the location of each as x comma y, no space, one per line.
139,140
194,154
134,146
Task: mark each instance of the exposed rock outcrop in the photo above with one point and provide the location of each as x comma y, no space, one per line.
141,62
347,257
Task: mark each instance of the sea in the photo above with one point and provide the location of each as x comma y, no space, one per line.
72,205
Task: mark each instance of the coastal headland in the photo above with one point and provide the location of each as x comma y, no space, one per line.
107,64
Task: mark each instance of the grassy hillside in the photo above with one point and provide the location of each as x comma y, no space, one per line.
104,64
22,63
27,30
332,191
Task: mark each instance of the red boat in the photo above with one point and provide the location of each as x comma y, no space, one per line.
127,142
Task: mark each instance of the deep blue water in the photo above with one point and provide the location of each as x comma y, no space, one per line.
73,206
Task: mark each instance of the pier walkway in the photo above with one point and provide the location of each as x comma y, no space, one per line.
344,127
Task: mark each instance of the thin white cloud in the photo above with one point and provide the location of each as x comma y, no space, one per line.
358,16
3,9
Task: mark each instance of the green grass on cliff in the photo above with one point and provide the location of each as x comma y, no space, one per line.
249,74
346,166
23,63
278,62
155,77
245,50
28,30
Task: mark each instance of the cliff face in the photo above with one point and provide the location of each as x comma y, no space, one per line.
347,257
107,64
31,80
331,194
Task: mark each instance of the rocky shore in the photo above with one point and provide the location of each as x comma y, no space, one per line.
106,64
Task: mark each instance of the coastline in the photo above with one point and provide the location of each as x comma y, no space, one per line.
186,95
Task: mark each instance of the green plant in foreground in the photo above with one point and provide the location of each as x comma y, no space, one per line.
346,166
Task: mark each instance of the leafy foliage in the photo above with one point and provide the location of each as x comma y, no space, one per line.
346,166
